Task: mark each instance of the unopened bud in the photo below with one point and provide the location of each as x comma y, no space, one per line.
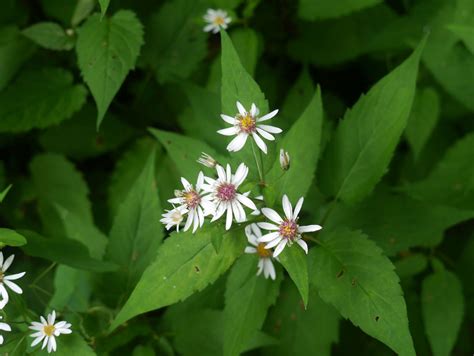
284,160
207,160
70,32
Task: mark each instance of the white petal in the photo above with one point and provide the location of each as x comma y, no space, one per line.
237,143
250,249
246,201
185,183
260,142
219,212
253,110
201,216
228,220
271,269
268,226
52,317
1,259
7,263
303,245
272,215
229,119
45,342
37,340
36,326
267,116
280,247
265,134
287,208
273,243
236,211
5,327
256,230
209,28
309,228
65,330
195,221
228,174
4,295
260,266
241,109
240,174
230,131
200,181
15,276
298,206
269,237
220,173
271,129
189,221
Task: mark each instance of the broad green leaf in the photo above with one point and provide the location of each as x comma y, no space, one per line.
295,262
443,310
107,50
465,33
186,263
184,151
302,143
452,180
4,193
354,163
136,231
246,41
14,51
49,35
104,4
396,222
70,345
39,98
72,289
411,265
323,9
11,238
423,118
247,300
302,331
175,43
351,273
64,251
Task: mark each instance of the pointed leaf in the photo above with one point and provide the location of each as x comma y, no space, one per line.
49,35
295,262
4,193
11,238
104,4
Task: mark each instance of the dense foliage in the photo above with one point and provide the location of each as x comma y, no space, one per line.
364,108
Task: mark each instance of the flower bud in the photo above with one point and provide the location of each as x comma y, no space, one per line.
207,160
284,160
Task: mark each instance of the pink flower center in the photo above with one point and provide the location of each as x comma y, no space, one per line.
288,229
247,123
226,192
192,199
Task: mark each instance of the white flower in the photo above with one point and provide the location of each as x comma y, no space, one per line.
265,263
286,231
174,217
216,19
207,160
6,280
48,330
197,204
225,196
284,160
4,327
247,123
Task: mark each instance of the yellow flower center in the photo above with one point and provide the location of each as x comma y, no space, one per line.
219,20
262,251
49,329
247,123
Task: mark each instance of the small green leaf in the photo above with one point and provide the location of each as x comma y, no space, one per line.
39,98
104,4
351,273
295,262
107,50
11,238
136,231
354,163
247,300
64,251
443,309
411,265
49,35
324,9
185,264
4,193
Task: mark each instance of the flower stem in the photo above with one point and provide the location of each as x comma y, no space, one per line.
260,173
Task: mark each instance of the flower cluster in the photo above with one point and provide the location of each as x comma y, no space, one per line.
220,195
47,330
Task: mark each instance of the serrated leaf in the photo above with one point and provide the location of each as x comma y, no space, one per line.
324,9
443,309
172,35
107,50
64,251
14,51
186,263
295,262
302,142
452,181
39,98
10,237
422,120
136,231
247,300
302,331
4,193
351,273
363,144
49,35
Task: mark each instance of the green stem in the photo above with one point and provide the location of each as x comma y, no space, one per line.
260,173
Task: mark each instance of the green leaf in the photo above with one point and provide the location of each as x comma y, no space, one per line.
411,265
107,50
39,98
247,300
323,9
14,51
422,120
64,251
452,180
351,273
186,263
302,331
11,238
136,231
49,35
354,163
443,310
295,262
72,289
302,142
247,40
104,4
70,345
175,43
465,33
4,193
